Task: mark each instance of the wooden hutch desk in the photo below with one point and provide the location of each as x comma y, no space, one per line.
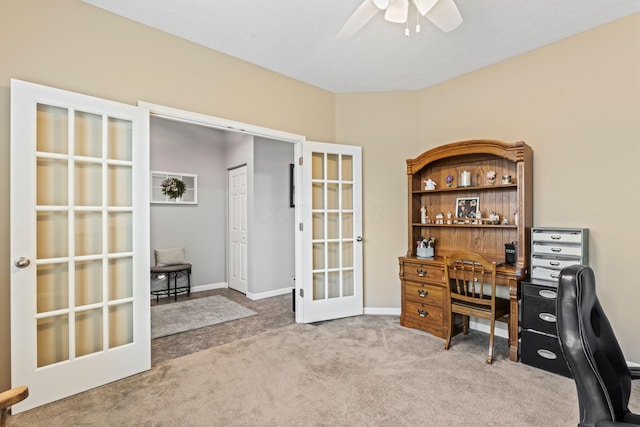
424,293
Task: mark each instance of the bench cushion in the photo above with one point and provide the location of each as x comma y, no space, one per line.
169,256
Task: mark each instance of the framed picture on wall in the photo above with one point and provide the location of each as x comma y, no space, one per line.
467,207
292,187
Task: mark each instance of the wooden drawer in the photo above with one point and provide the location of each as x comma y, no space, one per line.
562,236
423,272
539,308
557,249
424,313
424,293
543,351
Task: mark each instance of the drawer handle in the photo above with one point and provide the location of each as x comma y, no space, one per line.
554,263
420,272
554,276
547,317
423,292
556,236
423,313
556,250
547,354
544,293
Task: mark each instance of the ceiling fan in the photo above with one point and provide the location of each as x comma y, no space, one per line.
444,14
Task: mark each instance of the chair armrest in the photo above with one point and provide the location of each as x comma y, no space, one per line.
635,372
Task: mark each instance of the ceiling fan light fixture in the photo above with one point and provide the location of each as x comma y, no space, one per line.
397,11
444,14
381,4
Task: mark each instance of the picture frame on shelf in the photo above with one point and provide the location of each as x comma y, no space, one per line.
467,207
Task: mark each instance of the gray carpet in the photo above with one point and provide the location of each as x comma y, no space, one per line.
176,317
360,371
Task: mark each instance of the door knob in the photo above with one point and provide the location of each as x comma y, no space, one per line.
22,262
359,239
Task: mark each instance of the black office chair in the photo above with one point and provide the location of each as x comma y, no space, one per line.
602,378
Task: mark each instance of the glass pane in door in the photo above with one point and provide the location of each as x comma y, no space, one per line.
80,215
333,231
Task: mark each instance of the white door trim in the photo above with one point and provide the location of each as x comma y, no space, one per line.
218,123
176,114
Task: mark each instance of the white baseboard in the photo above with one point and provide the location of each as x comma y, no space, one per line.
501,328
251,296
209,287
269,294
381,311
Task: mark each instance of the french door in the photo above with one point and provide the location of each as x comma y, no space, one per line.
79,242
331,232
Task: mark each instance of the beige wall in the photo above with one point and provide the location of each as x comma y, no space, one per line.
576,104
386,125
572,102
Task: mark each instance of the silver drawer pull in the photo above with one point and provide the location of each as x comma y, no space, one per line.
554,263
556,250
556,236
544,293
547,354
423,313
423,293
547,317
554,276
420,272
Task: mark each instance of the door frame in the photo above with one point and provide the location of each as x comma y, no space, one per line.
175,114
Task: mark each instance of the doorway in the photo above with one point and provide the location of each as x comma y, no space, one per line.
209,153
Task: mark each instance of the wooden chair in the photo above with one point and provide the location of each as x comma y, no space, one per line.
9,398
469,275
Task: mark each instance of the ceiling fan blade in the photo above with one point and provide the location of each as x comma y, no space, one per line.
445,15
397,11
363,14
381,4
424,6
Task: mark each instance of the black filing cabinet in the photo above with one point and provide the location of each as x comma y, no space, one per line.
540,346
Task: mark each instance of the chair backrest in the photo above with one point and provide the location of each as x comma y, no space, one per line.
594,357
467,274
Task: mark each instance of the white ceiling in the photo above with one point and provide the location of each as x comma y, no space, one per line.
297,37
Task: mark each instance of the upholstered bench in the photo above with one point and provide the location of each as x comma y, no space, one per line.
168,272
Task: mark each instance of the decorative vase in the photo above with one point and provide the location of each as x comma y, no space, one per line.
492,181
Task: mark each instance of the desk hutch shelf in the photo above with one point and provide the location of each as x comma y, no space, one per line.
422,280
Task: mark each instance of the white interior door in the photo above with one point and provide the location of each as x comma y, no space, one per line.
79,242
237,215
331,232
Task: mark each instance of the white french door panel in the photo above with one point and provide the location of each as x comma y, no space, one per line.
331,241
237,214
80,314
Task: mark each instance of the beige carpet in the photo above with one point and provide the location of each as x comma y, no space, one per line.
362,371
